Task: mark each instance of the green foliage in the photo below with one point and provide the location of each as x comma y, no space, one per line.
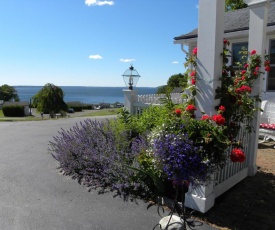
8,93
13,110
87,106
76,108
234,5
176,80
162,89
50,99
150,118
235,94
212,139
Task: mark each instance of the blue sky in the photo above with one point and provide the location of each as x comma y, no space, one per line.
91,42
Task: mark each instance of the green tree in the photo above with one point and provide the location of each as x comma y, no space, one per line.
50,100
162,89
8,93
176,80
234,5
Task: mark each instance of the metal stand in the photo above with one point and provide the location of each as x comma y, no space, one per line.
180,210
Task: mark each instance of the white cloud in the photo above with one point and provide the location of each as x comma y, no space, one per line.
175,62
127,60
98,3
95,56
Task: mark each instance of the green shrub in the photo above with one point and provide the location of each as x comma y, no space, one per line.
150,118
76,108
87,106
13,111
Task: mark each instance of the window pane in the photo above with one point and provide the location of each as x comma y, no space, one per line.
236,55
272,52
271,79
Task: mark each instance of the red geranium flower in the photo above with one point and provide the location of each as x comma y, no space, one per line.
253,52
243,89
178,111
225,42
267,68
219,119
222,108
191,108
195,51
205,117
193,73
245,66
237,155
193,81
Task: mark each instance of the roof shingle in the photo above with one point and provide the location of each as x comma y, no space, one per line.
237,20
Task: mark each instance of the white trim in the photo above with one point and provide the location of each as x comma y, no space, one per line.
256,3
243,34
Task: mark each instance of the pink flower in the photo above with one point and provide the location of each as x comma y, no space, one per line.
243,72
193,81
257,68
195,51
219,119
237,155
246,65
253,52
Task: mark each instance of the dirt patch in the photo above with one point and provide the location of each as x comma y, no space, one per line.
251,203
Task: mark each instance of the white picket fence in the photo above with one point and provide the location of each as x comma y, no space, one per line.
144,101
202,198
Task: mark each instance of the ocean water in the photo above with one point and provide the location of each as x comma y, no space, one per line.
89,94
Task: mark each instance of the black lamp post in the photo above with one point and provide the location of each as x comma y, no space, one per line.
131,77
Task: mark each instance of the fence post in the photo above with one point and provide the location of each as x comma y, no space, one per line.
209,70
130,97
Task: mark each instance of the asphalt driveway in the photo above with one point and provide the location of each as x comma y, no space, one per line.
34,195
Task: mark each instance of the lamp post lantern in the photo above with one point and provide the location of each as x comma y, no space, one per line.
131,77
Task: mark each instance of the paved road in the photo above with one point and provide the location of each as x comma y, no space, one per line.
35,196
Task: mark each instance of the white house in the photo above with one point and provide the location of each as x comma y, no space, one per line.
236,31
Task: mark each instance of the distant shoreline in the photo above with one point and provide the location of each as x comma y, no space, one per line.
85,94
151,87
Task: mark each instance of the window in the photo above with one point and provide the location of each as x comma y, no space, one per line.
236,55
271,74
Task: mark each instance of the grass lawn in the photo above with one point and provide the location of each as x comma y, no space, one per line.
102,112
